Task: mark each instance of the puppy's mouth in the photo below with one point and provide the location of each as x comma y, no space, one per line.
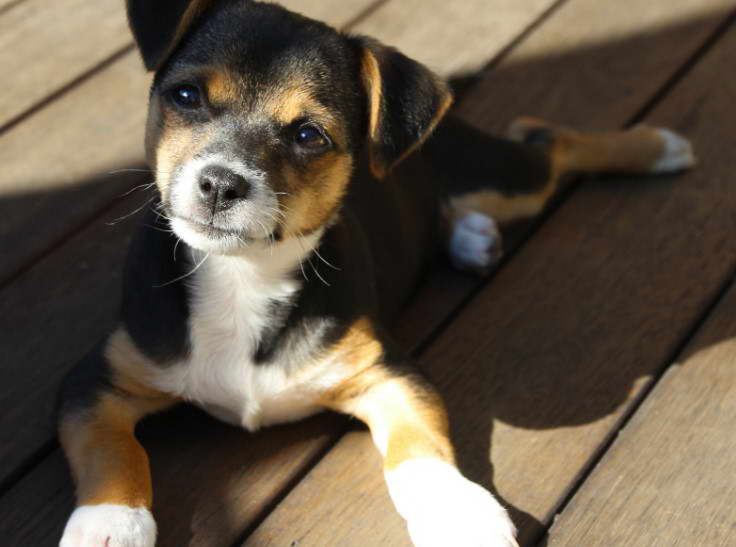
210,231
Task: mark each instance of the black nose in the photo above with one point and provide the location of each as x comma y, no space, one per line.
220,188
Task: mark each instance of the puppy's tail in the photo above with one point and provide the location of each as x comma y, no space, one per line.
642,149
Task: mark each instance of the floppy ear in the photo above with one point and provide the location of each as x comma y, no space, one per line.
159,25
406,101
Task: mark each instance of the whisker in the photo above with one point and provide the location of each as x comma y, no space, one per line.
186,274
325,261
114,222
139,187
317,273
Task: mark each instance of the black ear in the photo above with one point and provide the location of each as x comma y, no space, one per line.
406,101
159,25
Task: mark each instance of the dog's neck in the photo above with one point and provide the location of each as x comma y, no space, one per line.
262,262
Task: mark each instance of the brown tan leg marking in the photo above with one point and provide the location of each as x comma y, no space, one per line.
108,463
636,150
406,416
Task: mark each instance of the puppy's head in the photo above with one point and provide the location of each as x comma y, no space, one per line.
257,116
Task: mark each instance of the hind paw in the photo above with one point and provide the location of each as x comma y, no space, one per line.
677,154
475,244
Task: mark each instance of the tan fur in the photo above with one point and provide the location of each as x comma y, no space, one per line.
222,88
636,150
311,199
371,75
108,463
407,419
500,207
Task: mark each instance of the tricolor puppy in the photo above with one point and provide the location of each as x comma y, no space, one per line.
306,178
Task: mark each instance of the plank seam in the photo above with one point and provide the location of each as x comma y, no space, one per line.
292,483
77,80
364,14
728,283
676,354
10,6
466,82
68,235
29,464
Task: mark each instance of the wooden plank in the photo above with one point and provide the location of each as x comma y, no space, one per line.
75,149
204,513
668,479
336,12
541,366
45,45
4,4
464,35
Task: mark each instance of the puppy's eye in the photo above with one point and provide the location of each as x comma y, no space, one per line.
186,96
311,138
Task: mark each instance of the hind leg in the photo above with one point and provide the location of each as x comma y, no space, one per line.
491,182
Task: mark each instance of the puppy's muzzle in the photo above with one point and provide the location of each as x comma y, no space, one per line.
220,188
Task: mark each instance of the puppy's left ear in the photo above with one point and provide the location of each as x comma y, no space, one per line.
406,101
159,25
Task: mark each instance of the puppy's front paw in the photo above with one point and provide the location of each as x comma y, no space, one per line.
444,509
108,525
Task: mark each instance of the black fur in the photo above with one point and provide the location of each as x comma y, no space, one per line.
155,308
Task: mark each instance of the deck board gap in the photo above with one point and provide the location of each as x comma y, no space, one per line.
10,5
29,464
69,234
364,14
646,389
462,83
685,69
66,88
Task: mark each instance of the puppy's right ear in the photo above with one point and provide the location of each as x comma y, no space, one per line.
159,25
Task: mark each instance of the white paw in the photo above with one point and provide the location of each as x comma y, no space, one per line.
678,153
475,243
108,525
444,509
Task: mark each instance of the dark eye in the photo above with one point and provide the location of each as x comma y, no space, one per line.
186,96
310,137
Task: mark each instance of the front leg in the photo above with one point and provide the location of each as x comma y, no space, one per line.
408,423
101,401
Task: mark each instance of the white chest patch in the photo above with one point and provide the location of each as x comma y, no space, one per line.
229,312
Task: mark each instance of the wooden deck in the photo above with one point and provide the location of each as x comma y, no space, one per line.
591,380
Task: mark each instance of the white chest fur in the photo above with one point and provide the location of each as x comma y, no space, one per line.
229,312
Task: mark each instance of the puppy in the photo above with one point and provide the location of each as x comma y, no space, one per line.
296,214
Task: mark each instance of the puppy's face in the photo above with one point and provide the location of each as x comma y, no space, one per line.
257,116
252,128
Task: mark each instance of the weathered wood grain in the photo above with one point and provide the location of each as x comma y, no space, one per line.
45,45
58,165
669,478
464,36
335,12
668,481
541,366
